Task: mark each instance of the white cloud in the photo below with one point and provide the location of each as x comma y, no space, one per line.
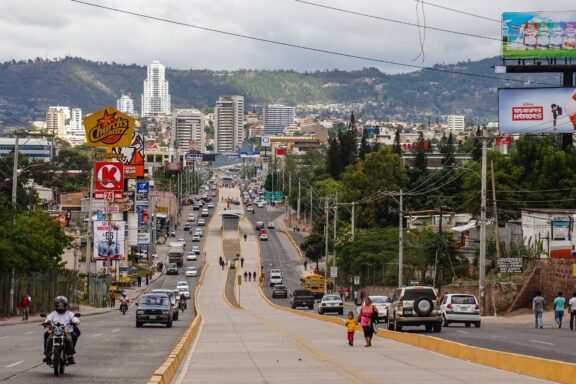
55,28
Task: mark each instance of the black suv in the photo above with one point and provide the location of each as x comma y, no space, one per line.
415,305
154,308
302,298
280,291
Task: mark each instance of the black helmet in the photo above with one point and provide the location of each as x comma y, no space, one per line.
61,304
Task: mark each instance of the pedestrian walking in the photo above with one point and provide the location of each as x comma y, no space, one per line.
245,275
245,237
249,276
341,292
305,265
25,305
351,328
139,280
355,295
538,308
254,275
112,299
366,319
147,279
242,262
572,304
559,304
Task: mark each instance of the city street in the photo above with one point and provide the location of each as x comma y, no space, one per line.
111,348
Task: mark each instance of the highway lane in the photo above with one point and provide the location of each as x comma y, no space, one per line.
111,348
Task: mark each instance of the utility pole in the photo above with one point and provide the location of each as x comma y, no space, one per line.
326,233
400,243
298,202
335,221
15,210
496,230
482,258
311,209
90,225
439,247
353,221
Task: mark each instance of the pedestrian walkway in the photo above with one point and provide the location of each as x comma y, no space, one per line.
261,344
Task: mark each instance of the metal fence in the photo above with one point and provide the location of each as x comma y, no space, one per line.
42,287
98,287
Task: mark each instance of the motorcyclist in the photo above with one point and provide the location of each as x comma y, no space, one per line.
183,305
61,315
124,300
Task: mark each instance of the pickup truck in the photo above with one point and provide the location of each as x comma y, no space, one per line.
302,298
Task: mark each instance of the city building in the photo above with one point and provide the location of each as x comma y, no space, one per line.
188,130
277,117
56,118
125,104
34,148
156,96
455,123
228,123
75,126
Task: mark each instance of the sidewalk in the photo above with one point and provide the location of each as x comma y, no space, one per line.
86,310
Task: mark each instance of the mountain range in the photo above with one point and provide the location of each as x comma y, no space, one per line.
28,87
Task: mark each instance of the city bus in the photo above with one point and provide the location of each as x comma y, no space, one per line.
314,283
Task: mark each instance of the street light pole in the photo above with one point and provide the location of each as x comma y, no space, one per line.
14,196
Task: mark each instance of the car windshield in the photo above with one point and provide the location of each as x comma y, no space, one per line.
279,287
413,294
169,293
183,289
463,300
380,299
302,292
154,300
331,298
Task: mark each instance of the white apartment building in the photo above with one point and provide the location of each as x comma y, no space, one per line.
75,127
188,130
277,117
455,123
228,123
156,96
125,104
56,119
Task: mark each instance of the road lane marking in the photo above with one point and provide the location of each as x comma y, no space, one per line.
15,364
540,342
96,335
495,336
29,332
463,332
115,330
3,337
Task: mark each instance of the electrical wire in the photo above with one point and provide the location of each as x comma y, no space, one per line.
459,11
348,11
302,47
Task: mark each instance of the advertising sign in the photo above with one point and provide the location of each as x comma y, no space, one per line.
109,128
333,272
537,110
143,212
173,166
250,154
194,156
109,240
530,35
510,265
132,157
109,176
109,196
126,203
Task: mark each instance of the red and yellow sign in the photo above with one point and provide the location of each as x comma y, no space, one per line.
109,128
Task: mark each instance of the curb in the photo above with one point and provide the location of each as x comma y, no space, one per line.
296,247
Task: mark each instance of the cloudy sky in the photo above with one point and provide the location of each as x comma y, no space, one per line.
56,28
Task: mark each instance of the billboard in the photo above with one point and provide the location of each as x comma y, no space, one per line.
132,157
529,35
108,176
109,240
108,128
537,110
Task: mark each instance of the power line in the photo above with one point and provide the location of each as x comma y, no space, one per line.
459,11
302,47
396,21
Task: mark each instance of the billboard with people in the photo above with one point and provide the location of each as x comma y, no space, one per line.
530,35
537,110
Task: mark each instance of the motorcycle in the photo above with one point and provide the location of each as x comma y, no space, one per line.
123,307
182,306
59,356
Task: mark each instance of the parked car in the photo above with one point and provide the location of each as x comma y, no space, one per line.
174,300
331,303
414,306
302,298
381,303
460,308
280,291
172,269
154,308
191,272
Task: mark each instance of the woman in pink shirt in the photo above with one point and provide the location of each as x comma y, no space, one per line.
367,313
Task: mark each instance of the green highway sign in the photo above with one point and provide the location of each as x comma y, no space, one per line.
273,196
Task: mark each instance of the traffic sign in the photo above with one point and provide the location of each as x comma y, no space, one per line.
142,187
334,272
109,176
265,141
109,196
356,280
194,156
273,196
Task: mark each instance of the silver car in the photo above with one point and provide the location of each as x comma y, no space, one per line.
331,303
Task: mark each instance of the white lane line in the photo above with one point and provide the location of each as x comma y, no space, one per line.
115,330
462,332
494,336
29,332
15,364
96,335
540,342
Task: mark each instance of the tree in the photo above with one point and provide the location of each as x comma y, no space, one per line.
313,247
421,161
448,151
397,147
333,160
364,146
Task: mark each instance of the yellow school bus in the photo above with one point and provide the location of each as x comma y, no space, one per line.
314,283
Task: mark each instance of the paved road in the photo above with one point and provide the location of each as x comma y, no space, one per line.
110,350
261,344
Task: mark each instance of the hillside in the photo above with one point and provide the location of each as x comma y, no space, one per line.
27,88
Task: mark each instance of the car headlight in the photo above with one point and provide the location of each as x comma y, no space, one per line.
139,312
